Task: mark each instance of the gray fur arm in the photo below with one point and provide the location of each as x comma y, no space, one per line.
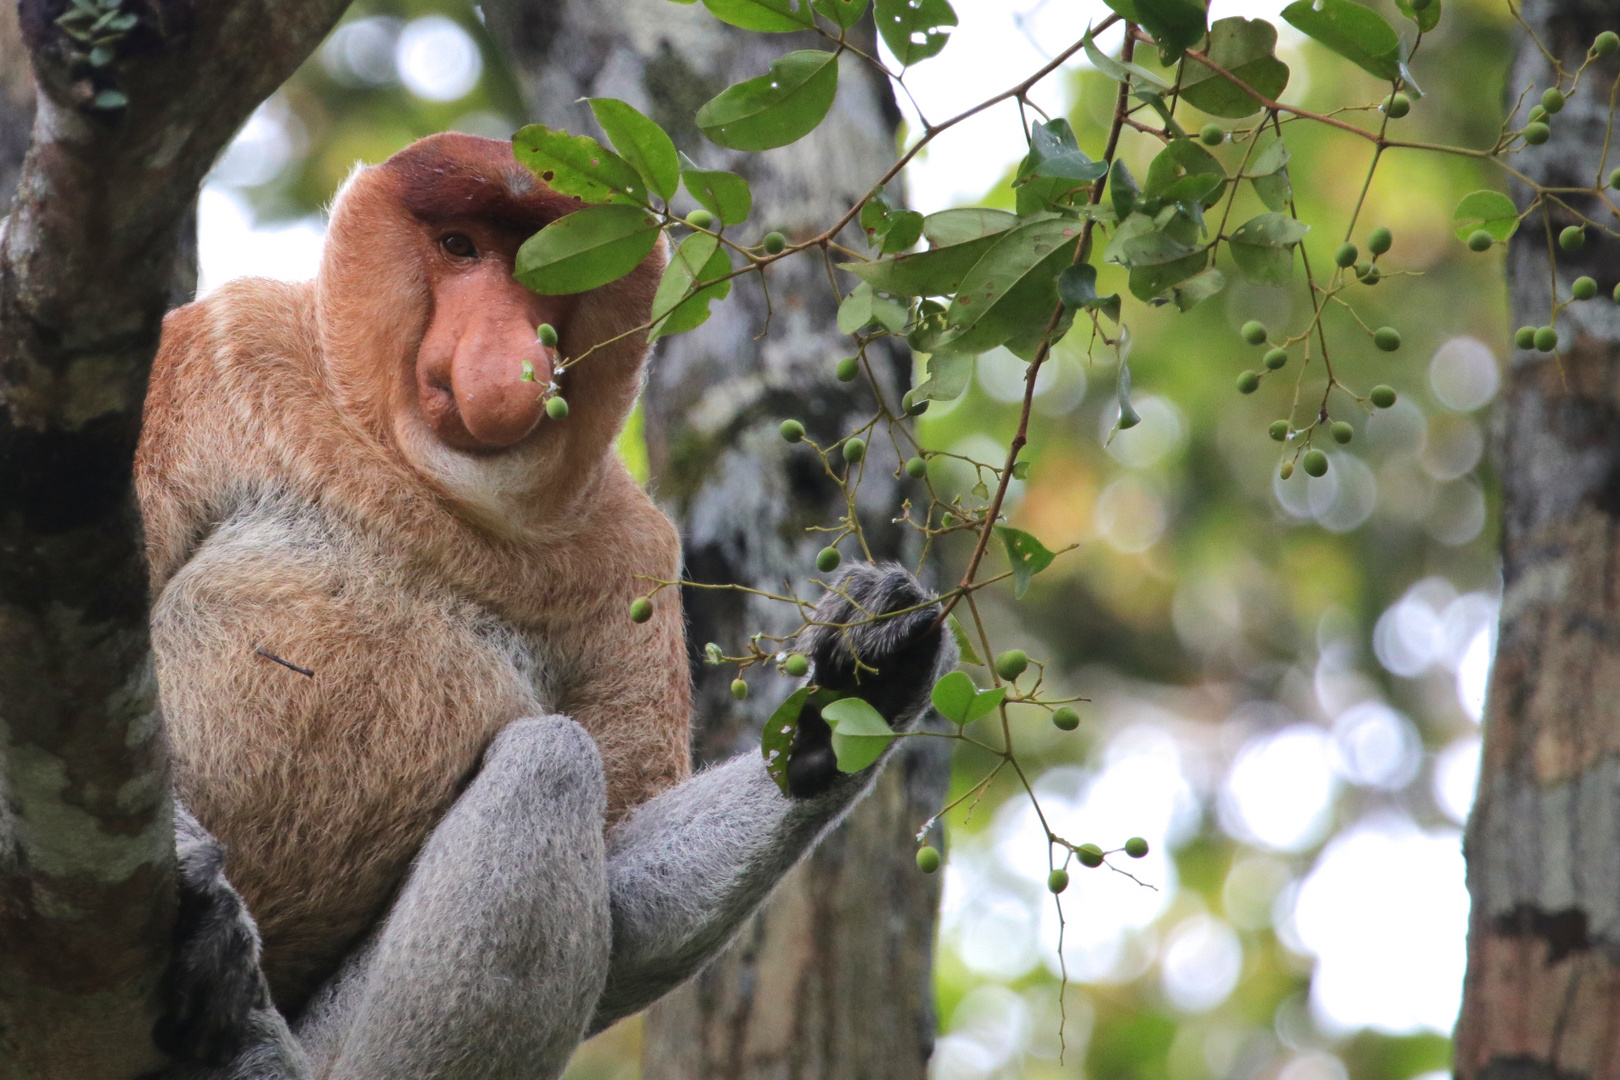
696,861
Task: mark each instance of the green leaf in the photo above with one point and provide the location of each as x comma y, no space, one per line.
1180,159
860,734
1122,189
960,702
1197,289
1177,24
1359,34
949,227
1488,210
937,272
1055,151
963,645
948,376
776,741
771,16
1027,555
640,142
905,227
1263,248
775,109
1427,19
697,262
1128,416
1149,281
578,165
586,249
1120,71
846,13
1268,173
1013,288
1270,160
915,29
1077,288
724,194
1244,47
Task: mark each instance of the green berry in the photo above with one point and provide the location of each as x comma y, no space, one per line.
854,449
912,405
1536,115
848,368
1546,339
1057,881
1583,288
1342,432
1614,179
1525,336
1315,463
1368,273
739,689
1380,240
775,243
1536,133
827,559
1606,43
1012,663
1387,338
1397,105
1346,256
1254,332
1276,358
556,408
1287,470
1279,430
1136,847
1552,99
916,468
641,609
927,859
547,335
792,430
1065,718
700,219
1617,294
1212,135
1573,238
796,665
1382,396
1248,382
1480,240
1089,855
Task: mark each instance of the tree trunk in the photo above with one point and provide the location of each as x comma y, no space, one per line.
1542,998
832,981
16,103
88,257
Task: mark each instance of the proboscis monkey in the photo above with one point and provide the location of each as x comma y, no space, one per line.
398,676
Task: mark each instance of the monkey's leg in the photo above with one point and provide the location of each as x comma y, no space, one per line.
495,954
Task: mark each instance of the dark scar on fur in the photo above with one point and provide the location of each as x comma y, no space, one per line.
304,671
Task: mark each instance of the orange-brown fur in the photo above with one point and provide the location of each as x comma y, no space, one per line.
295,501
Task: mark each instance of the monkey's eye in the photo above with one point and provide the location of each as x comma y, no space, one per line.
460,245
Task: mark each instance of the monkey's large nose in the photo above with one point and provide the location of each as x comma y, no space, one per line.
497,406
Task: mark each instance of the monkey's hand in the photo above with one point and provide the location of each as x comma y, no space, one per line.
890,662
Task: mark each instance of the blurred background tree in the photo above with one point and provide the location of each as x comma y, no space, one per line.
1286,678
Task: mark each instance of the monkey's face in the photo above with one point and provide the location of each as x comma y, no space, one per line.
426,338
481,340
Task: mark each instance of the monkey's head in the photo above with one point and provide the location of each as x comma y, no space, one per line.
425,332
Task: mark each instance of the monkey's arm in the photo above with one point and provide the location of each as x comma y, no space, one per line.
693,863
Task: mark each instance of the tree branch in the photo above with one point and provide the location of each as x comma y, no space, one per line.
87,256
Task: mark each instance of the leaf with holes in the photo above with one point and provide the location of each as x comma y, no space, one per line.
915,29
578,165
1246,48
698,264
776,741
1027,555
724,194
640,142
859,733
586,249
1357,33
1488,210
777,108
771,16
